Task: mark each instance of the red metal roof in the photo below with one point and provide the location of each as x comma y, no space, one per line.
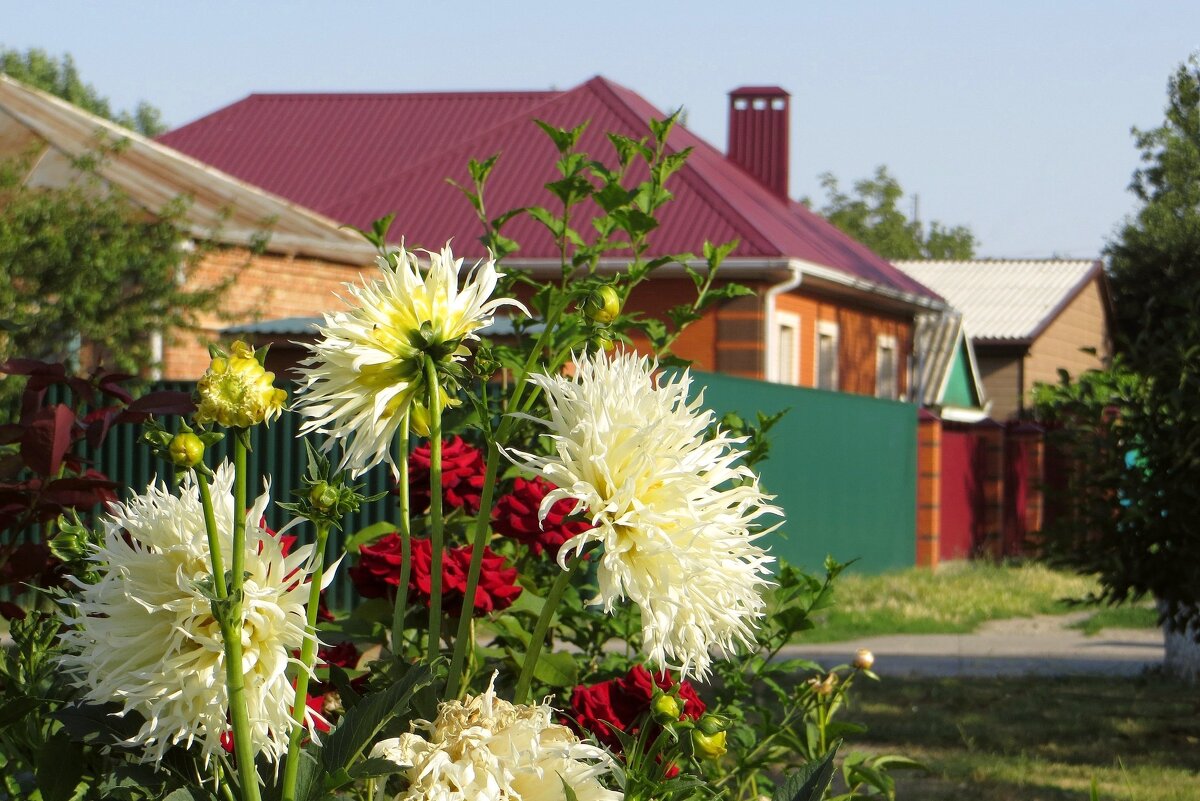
357,157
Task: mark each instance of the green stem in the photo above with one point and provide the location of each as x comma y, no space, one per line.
214,541
404,527
435,509
463,638
230,618
521,693
238,566
308,656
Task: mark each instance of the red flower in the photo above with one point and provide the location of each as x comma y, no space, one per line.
623,703
317,704
516,515
462,476
345,655
377,575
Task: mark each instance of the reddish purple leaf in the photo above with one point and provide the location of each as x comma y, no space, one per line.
80,493
97,424
10,611
164,402
110,385
47,439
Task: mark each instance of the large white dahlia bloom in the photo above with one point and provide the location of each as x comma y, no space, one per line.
366,371
486,749
144,635
673,510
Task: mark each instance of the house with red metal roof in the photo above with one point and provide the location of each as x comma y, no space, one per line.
827,312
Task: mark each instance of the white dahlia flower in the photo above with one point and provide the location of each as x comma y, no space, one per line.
486,749
367,369
144,635
671,506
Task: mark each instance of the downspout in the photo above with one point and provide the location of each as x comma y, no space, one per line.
771,346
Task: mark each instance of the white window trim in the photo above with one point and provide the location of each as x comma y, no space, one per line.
826,328
786,321
887,342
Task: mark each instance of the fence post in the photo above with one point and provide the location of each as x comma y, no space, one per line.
929,489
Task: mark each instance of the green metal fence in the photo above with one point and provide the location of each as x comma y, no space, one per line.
275,452
843,467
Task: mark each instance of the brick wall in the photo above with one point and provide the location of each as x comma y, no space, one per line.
266,286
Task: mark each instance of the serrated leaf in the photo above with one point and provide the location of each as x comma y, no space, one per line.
360,725
374,767
367,535
16,709
182,794
59,768
809,782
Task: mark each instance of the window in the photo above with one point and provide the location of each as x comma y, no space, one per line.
787,347
886,385
827,355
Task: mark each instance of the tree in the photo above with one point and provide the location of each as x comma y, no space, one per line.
60,77
1142,416
86,268
872,216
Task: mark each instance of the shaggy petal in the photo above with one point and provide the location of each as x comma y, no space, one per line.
672,508
144,635
366,371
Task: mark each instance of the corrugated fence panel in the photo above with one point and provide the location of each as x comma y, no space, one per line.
843,467
275,452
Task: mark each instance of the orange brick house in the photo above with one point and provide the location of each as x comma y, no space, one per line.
827,311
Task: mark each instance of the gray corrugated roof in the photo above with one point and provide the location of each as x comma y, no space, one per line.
1004,299
937,340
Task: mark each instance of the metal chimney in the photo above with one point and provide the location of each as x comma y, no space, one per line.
758,134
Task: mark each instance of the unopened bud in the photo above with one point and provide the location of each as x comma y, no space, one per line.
322,496
602,305
186,450
708,746
665,709
824,686
863,659
712,724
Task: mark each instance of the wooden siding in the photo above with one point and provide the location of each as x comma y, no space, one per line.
1081,324
1000,371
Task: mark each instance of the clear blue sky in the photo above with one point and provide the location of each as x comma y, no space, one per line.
1010,116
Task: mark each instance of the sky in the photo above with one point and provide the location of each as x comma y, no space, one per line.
1011,117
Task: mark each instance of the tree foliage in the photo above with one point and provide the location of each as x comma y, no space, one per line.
1137,426
84,265
59,77
871,214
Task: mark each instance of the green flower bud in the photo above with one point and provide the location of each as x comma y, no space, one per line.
186,449
712,724
322,496
602,305
665,709
708,746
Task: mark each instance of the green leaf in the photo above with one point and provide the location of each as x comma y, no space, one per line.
375,767
360,724
557,669
810,782
16,709
563,139
59,768
182,794
367,535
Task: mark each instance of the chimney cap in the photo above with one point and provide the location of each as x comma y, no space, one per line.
760,91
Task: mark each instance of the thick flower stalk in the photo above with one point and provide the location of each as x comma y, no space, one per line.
144,635
487,749
237,391
366,371
672,508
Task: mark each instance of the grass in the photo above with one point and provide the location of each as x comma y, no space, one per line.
1142,616
955,599
1037,739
